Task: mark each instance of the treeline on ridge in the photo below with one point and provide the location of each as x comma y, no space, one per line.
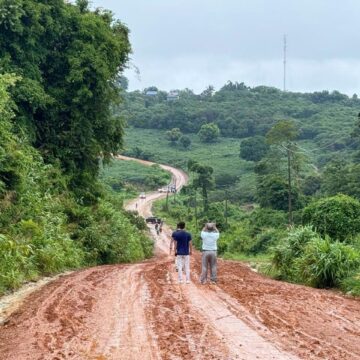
241,111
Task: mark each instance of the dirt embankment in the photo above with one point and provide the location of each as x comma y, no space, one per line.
139,311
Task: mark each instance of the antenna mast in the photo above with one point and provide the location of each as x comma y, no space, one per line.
284,62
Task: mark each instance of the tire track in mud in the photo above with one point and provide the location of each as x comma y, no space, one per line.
313,323
180,330
50,318
94,314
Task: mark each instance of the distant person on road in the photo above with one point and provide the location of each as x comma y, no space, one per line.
183,250
209,236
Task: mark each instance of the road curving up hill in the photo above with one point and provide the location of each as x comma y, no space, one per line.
138,311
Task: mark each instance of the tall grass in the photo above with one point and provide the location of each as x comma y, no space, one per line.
307,258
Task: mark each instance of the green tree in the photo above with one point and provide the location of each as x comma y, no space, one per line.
69,58
12,157
204,180
208,92
337,216
272,191
209,133
253,149
185,141
311,185
282,134
173,135
341,177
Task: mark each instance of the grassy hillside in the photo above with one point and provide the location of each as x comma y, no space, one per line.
120,173
222,155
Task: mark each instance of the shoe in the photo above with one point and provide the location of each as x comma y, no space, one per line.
188,281
180,282
213,282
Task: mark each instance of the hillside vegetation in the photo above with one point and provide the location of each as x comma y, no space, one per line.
58,87
324,119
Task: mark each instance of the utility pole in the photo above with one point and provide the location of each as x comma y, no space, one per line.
289,185
226,207
284,62
196,215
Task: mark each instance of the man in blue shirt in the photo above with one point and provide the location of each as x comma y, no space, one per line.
183,250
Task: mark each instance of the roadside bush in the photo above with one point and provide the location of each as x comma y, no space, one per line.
239,238
264,241
136,219
15,263
111,238
290,249
267,218
351,284
337,216
325,263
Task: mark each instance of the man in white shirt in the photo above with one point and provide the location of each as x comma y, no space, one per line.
209,236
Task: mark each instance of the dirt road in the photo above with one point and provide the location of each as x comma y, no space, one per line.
139,311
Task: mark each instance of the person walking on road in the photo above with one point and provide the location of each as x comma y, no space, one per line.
183,250
209,236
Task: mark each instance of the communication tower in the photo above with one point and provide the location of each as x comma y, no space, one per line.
284,62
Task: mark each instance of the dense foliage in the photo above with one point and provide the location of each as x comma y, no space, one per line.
59,64
304,256
68,58
254,148
337,216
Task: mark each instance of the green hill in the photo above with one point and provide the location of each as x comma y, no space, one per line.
325,120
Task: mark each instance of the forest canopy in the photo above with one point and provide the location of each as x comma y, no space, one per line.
69,59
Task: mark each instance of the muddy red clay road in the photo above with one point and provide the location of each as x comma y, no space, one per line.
139,311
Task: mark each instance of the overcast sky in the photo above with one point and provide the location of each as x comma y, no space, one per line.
194,43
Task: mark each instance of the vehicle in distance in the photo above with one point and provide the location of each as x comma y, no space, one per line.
142,195
163,190
170,188
153,220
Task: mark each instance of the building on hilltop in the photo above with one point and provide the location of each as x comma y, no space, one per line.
151,93
173,95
